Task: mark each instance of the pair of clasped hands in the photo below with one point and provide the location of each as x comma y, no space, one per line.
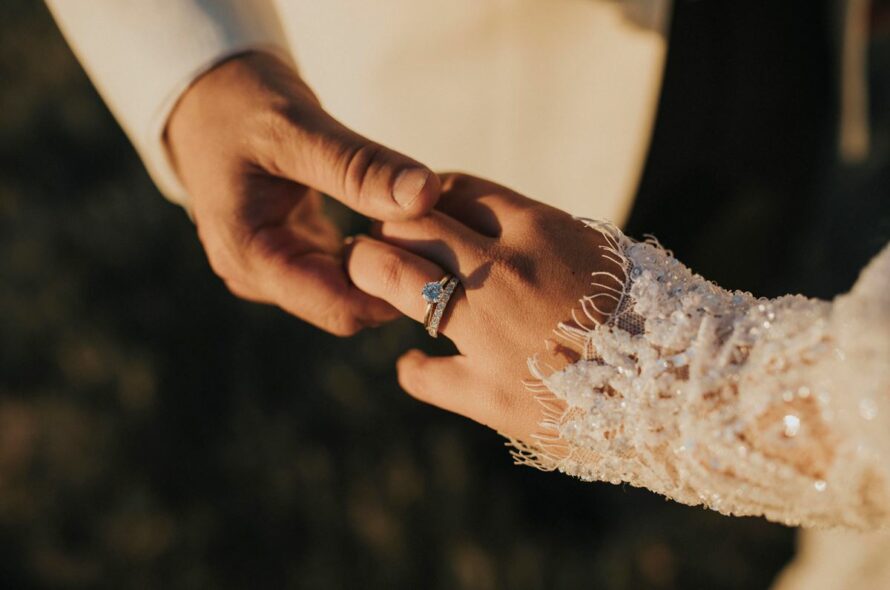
255,150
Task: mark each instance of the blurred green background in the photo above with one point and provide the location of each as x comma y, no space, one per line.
155,432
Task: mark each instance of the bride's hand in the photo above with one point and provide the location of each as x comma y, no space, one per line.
523,266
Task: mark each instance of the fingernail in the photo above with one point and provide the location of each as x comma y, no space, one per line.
408,185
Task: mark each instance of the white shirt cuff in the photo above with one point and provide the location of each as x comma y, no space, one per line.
143,54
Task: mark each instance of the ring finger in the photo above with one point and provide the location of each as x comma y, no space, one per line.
398,276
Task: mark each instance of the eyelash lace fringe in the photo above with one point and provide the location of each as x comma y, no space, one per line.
748,406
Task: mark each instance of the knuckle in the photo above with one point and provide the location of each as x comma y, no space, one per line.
240,291
359,163
219,263
263,243
528,218
233,289
227,262
345,327
341,323
515,268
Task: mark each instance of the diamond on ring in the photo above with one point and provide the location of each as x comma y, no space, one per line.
432,292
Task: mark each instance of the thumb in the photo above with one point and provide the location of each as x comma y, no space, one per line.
363,175
442,381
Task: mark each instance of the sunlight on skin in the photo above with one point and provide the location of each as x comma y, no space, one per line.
523,267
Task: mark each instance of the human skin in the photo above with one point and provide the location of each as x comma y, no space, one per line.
255,150
523,268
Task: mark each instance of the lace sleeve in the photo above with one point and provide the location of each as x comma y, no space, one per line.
774,407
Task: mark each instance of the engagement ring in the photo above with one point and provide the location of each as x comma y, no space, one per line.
437,294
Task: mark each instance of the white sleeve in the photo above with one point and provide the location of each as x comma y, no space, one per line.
776,407
143,54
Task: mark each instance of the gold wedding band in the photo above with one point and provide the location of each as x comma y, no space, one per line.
437,294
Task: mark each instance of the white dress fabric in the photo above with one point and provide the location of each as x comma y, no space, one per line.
748,406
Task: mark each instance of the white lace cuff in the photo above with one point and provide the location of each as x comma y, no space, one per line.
749,406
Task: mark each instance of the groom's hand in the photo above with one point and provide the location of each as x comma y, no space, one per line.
255,150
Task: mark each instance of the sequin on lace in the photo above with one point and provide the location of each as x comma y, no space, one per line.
745,405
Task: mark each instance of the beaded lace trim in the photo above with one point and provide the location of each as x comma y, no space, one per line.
748,406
